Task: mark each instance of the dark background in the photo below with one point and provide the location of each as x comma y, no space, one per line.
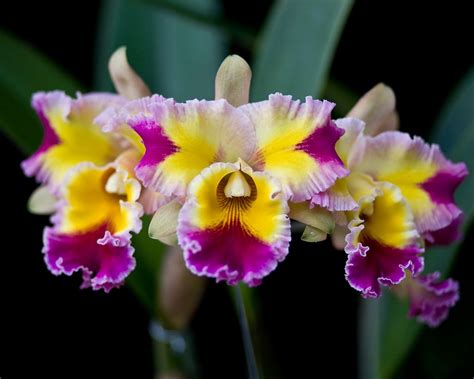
49,328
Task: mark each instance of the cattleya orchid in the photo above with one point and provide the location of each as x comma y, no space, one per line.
224,177
234,170
95,195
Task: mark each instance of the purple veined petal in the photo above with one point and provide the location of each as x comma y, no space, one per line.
432,298
233,238
296,144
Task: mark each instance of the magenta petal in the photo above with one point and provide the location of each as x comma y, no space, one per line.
367,269
158,147
41,102
242,257
446,235
441,186
431,298
321,144
105,261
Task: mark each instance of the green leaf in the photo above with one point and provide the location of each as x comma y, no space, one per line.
149,254
23,71
195,12
297,46
454,132
176,56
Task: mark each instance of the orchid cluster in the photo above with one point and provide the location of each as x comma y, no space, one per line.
223,179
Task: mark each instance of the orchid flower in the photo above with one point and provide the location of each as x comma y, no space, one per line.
230,172
430,298
92,226
398,193
224,177
88,182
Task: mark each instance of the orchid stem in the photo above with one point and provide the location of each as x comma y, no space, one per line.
243,311
368,338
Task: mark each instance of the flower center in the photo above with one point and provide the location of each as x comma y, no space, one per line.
235,194
116,183
237,186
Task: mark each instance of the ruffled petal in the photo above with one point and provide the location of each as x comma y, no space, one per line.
426,178
431,298
336,198
233,238
149,199
70,136
114,119
368,269
183,139
92,227
446,235
105,261
382,243
95,196
343,195
296,144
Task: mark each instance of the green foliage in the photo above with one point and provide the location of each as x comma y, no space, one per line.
176,56
296,49
23,71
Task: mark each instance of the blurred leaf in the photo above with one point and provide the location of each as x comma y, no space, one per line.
297,46
455,134
23,71
194,12
149,254
176,56
344,97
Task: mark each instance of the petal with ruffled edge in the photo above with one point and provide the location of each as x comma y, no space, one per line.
349,148
382,243
70,136
105,261
447,235
426,178
114,119
94,196
336,198
149,199
183,139
296,144
431,298
234,238
92,227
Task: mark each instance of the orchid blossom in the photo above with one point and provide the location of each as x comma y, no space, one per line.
88,180
397,197
234,170
224,177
